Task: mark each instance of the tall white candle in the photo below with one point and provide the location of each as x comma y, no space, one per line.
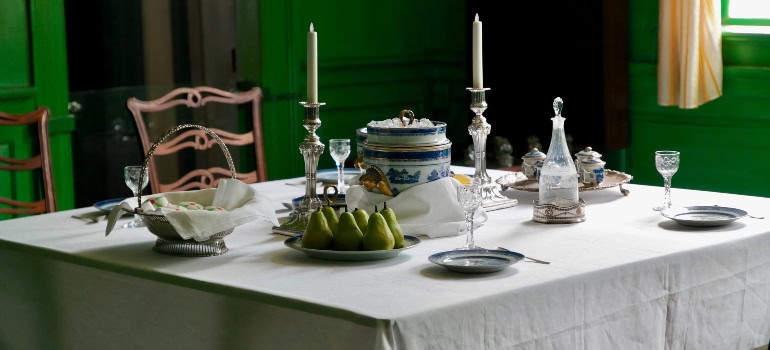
312,66
478,66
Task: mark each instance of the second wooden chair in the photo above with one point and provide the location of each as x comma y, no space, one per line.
199,140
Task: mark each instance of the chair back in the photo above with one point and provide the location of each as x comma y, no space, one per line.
41,161
197,139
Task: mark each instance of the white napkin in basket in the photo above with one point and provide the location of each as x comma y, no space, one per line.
430,209
241,202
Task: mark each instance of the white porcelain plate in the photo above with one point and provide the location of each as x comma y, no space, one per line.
476,260
702,215
296,243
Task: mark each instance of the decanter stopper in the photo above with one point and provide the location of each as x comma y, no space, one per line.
558,105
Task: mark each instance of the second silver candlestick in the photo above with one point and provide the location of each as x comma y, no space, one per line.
479,130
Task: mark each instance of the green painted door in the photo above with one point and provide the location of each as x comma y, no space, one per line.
33,72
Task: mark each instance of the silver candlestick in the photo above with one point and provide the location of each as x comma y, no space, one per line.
479,129
311,149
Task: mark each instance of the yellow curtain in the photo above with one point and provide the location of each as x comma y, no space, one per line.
689,52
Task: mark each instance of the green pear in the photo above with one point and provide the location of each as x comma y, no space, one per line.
348,236
362,219
378,235
331,218
317,235
395,228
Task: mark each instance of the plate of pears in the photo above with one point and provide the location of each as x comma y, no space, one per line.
352,236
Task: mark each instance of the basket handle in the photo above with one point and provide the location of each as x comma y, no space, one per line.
168,133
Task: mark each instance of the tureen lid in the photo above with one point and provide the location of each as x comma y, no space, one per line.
534,153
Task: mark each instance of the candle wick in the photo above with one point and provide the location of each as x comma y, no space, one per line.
311,25
477,17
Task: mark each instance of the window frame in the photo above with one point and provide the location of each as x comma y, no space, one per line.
727,20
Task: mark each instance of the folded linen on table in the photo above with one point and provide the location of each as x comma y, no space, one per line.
430,209
240,201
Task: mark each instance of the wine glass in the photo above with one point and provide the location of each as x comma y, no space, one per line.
131,174
469,198
340,150
667,163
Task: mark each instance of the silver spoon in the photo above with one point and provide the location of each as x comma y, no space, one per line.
526,257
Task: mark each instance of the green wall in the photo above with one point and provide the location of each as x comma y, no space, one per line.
725,142
374,60
33,72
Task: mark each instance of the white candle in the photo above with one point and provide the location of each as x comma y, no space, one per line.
312,66
478,66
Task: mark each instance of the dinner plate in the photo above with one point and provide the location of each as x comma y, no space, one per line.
704,215
476,260
364,255
329,176
108,204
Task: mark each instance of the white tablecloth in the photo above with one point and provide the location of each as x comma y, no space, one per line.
626,278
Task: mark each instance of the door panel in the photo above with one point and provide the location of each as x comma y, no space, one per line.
14,41
33,73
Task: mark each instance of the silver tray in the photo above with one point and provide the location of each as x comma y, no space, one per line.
612,178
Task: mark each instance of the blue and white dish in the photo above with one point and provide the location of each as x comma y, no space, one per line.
704,216
107,205
530,160
592,171
363,255
404,136
476,260
409,166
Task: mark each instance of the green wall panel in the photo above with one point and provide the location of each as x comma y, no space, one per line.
723,142
374,60
14,41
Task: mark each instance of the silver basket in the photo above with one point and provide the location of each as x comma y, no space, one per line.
169,240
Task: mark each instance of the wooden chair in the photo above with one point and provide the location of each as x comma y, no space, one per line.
42,161
198,139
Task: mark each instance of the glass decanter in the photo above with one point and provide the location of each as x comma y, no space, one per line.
558,177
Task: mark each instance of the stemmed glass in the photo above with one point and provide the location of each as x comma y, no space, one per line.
667,163
131,175
469,198
340,150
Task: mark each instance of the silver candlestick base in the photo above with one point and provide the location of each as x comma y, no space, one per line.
311,149
479,129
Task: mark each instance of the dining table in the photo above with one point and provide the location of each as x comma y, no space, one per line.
626,278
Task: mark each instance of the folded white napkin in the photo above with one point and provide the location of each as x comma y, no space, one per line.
241,202
429,209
